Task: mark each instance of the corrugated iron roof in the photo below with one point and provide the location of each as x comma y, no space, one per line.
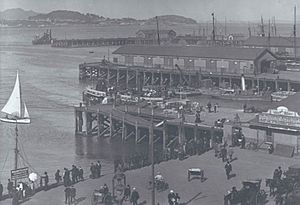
192,51
278,41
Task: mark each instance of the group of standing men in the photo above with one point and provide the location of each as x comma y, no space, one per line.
69,177
95,170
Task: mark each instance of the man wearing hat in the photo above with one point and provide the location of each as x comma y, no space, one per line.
134,196
171,197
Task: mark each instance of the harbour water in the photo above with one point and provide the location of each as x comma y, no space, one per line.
50,87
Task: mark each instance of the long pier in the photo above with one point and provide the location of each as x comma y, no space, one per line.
127,76
130,127
99,42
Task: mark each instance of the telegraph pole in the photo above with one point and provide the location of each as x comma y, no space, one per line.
151,134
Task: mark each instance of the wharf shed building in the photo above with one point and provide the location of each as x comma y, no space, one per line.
134,66
210,59
280,45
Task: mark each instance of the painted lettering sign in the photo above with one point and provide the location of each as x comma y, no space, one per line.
280,116
21,173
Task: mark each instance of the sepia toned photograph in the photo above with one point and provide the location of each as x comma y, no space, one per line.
150,102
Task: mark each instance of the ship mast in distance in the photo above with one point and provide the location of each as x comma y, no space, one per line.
269,34
225,26
295,34
213,31
158,39
249,29
262,27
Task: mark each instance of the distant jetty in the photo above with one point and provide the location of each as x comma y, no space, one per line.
45,39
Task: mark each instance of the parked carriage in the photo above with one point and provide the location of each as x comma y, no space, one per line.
293,174
250,194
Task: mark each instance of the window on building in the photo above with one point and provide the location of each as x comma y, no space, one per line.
129,60
189,63
148,60
168,62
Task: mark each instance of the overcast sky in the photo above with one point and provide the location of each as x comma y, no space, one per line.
197,9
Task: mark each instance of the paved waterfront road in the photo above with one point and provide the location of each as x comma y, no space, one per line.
249,165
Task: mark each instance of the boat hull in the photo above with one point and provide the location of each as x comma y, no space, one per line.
16,121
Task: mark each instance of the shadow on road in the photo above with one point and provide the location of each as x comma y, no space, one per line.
80,199
194,198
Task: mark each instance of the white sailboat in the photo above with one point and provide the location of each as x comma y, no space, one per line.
16,112
15,109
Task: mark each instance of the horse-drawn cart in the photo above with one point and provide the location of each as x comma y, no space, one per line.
250,194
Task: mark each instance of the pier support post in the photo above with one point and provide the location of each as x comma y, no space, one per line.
124,134
118,77
152,78
137,132
252,83
171,80
108,74
137,85
110,125
145,78
195,132
164,136
88,122
127,78
161,79
99,123
276,85
230,82
76,122
288,86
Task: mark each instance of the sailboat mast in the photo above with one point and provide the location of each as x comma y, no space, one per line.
16,150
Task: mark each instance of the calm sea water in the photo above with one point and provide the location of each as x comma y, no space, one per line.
50,87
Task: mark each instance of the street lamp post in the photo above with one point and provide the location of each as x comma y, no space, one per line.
151,134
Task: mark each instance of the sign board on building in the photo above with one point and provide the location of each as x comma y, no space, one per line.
280,116
21,173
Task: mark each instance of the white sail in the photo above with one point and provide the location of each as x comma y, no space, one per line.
26,114
13,105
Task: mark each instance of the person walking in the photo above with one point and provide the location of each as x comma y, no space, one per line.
98,165
209,106
57,176
230,154
228,169
10,187
171,197
73,194
81,174
68,195
215,107
224,154
127,193
134,196
46,180
66,177
279,172
1,191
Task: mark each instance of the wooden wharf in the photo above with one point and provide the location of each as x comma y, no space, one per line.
133,76
129,125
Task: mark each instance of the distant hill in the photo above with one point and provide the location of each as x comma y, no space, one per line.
66,16
16,14
171,19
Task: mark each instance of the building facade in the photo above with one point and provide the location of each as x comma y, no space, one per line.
279,45
281,127
203,59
